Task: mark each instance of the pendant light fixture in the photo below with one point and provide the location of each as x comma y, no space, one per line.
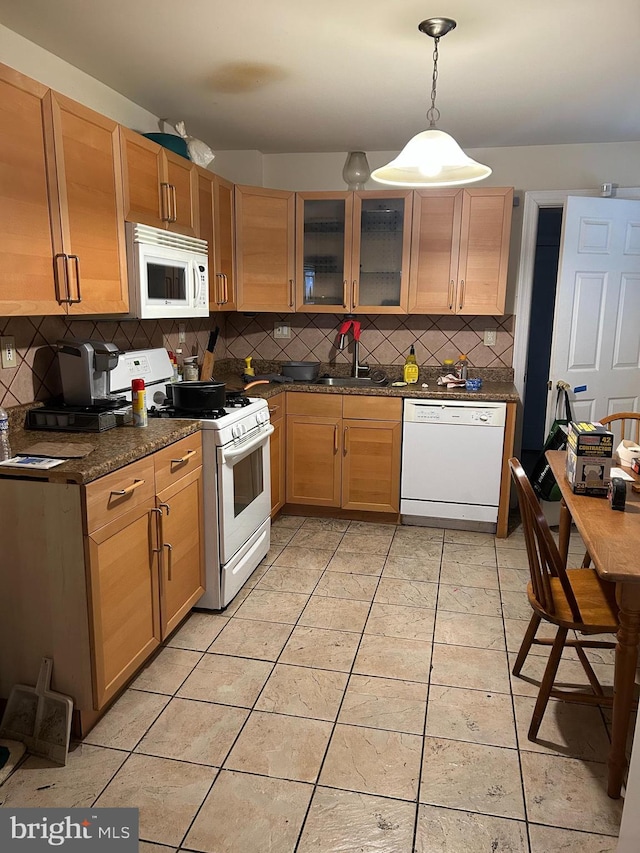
432,158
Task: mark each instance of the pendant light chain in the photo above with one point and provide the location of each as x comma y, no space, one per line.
433,113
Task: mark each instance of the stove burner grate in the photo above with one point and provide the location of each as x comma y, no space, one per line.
172,412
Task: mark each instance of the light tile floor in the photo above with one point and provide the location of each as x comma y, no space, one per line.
355,696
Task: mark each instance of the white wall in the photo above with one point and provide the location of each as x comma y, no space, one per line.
35,62
534,167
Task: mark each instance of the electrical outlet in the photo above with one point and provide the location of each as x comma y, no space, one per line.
282,331
182,336
8,348
490,337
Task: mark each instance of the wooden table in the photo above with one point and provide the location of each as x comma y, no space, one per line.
613,541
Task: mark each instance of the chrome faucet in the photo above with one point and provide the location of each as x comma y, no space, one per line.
357,369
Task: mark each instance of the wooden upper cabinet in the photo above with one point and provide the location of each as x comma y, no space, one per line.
484,250
265,247
224,254
142,173
182,178
381,251
215,207
160,187
88,220
434,252
26,282
460,251
353,251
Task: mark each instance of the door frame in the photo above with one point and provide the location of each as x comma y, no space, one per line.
533,201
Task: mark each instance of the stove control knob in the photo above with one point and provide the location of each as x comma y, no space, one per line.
238,430
262,417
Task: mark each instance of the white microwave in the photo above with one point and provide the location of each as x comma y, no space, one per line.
168,274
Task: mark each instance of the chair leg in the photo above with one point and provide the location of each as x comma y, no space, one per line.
586,560
526,643
547,682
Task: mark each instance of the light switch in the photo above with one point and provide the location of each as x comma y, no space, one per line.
8,348
490,337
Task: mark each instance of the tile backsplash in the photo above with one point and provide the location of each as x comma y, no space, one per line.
385,340
36,375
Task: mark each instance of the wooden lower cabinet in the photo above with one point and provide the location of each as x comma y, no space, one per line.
124,599
344,451
277,408
105,574
182,553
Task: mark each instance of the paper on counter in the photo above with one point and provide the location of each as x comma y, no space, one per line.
34,462
618,472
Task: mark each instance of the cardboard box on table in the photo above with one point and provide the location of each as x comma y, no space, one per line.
589,457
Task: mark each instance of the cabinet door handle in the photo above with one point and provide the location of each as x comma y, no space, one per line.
65,275
164,202
273,409
450,295
354,293
345,439
461,294
119,493
181,461
219,296
226,289
335,438
162,506
291,293
174,204
344,293
169,558
76,265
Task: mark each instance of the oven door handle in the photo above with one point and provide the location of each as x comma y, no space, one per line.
236,452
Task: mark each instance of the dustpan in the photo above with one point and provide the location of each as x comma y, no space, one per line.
39,717
11,751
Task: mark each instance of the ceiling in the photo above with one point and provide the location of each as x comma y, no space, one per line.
341,75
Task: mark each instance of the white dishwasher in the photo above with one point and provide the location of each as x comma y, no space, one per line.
452,463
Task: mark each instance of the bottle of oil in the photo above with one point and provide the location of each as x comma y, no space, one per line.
410,373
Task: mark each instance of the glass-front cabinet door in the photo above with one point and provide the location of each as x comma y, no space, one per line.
381,250
323,259
353,251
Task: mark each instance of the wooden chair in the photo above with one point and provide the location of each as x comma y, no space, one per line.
627,419
572,599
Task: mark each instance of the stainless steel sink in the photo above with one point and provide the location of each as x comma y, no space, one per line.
350,382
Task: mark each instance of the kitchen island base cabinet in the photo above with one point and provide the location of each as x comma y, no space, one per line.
101,574
344,452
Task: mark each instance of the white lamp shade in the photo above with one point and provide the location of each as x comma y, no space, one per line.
431,159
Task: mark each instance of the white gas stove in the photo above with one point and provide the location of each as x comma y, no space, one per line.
236,474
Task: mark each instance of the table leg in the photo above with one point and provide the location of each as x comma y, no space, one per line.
564,532
628,596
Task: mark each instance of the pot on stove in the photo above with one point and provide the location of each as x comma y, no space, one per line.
200,396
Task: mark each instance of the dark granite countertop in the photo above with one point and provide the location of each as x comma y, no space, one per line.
113,448
497,383
499,392
117,447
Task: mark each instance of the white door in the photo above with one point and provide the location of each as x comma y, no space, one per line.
596,333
